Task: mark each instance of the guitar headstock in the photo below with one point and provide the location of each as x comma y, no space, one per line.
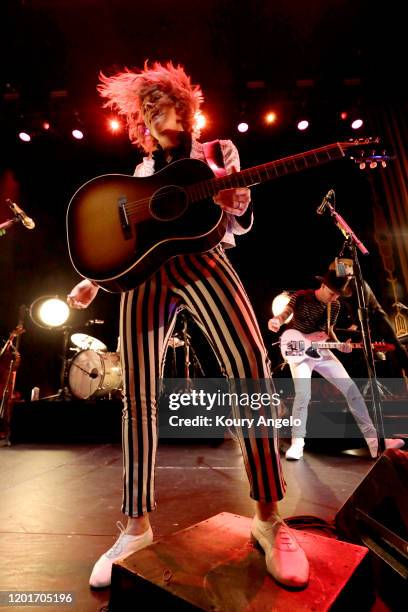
366,152
383,347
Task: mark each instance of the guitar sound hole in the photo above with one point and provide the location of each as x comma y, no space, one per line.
168,203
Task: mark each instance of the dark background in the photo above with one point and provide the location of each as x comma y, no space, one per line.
316,58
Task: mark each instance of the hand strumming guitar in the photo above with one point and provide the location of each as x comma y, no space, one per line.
234,201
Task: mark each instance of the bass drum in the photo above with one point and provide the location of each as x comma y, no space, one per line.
93,374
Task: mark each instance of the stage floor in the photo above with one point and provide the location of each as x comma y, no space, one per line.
60,503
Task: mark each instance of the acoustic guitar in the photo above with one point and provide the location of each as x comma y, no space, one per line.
122,228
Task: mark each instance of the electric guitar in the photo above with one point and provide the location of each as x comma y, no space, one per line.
296,347
122,228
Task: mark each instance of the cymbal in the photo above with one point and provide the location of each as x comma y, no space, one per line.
175,342
86,342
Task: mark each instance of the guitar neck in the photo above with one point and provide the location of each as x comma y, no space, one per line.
335,345
269,171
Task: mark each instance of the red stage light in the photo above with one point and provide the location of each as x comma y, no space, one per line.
46,125
114,125
200,120
270,117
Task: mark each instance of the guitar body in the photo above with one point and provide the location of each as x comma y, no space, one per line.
122,228
296,347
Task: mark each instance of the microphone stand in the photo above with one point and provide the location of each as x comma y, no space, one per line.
353,243
63,392
6,224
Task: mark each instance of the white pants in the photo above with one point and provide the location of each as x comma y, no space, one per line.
332,370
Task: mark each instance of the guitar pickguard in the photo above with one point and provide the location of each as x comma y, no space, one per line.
313,353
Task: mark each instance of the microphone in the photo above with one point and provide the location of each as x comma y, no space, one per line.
328,198
25,220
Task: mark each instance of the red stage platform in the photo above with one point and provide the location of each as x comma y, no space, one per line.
213,566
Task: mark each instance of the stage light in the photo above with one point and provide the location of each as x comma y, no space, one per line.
271,117
115,125
242,127
49,312
302,125
24,136
46,125
356,124
77,134
200,120
279,304
344,115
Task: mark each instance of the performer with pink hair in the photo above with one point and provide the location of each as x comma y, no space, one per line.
160,105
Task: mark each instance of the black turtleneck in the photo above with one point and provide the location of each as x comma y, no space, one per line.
181,151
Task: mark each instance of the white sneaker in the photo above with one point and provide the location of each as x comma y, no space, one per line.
394,443
295,451
124,546
372,444
285,559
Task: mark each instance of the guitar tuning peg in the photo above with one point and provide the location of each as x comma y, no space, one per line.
362,165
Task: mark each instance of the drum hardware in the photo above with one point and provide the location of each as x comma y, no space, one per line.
175,342
191,363
85,342
63,392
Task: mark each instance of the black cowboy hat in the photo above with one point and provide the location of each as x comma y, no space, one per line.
339,284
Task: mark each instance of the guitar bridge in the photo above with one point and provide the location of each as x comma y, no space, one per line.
123,217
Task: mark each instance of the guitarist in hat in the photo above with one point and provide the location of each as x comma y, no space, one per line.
315,311
160,105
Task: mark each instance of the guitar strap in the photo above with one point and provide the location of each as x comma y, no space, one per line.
328,318
214,157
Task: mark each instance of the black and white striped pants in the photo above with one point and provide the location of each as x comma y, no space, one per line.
206,285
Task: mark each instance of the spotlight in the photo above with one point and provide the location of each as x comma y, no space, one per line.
24,136
302,125
279,304
271,117
49,312
77,134
114,125
356,124
242,127
46,125
200,120
344,115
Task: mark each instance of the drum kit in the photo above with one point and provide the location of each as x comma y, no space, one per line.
93,372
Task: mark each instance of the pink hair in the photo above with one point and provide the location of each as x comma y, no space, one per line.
124,92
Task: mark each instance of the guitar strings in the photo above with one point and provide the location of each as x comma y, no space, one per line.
131,207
